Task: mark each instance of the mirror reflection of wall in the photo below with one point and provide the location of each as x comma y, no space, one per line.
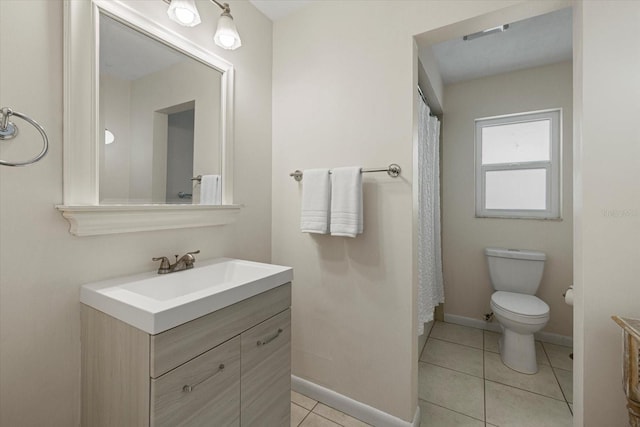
144,87
180,157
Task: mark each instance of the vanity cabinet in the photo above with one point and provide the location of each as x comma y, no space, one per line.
227,368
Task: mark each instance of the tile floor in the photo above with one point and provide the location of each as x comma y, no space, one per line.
306,412
463,383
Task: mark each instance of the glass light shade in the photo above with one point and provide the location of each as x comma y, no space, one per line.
109,137
227,36
184,12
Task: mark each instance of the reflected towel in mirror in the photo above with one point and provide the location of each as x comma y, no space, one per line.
211,190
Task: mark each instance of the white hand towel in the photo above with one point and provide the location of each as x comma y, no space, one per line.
346,202
211,190
316,194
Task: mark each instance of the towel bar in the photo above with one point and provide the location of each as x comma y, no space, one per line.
393,170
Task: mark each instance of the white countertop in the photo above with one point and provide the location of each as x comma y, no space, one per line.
155,302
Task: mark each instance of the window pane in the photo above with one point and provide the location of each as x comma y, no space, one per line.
516,142
524,189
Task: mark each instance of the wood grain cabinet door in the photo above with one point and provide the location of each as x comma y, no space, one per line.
204,392
266,373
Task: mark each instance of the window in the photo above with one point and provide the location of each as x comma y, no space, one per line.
518,165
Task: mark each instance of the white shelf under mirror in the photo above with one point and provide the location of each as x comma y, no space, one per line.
82,137
112,219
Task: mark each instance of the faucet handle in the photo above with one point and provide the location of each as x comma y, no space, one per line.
189,258
165,265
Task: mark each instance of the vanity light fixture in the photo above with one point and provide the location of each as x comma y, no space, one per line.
226,36
498,29
184,12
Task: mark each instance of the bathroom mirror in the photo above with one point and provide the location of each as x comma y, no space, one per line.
145,110
160,109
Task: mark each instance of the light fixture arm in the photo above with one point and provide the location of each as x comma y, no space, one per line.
224,6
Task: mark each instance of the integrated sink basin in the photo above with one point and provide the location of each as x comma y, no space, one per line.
155,303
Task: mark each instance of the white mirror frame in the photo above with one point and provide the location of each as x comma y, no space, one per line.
81,204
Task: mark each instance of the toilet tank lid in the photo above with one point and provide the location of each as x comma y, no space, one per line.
515,254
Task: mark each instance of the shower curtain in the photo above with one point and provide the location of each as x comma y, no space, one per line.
430,283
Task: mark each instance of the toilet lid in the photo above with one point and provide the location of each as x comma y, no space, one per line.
520,304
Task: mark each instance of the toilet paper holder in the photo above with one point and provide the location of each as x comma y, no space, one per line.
568,295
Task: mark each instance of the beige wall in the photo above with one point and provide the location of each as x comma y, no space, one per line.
467,284
607,205
346,97
41,265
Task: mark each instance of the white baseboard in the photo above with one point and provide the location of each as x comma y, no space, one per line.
495,327
472,323
422,339
366,413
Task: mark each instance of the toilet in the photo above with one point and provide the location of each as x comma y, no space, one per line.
515,277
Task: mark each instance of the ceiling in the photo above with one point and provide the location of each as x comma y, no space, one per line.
129,55
541,40
278,9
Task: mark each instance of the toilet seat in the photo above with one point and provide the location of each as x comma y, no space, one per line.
522,306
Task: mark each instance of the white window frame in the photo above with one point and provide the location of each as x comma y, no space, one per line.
552,166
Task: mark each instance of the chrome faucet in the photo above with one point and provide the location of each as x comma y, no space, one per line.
184,263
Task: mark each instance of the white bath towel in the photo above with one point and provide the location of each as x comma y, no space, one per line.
316,194
211,190
346,202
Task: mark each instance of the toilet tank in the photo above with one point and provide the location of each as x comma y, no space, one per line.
515,270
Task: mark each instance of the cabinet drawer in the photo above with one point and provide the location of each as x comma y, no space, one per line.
266,373
182,343
203,392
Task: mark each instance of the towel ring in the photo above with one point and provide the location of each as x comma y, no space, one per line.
8,130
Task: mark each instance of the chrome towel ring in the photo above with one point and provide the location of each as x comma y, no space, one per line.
8,130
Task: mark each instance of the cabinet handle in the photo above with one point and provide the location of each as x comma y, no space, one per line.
271,338
189,388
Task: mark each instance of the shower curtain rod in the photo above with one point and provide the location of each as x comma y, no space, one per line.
422,95
424,99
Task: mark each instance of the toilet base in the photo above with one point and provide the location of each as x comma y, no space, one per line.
518,351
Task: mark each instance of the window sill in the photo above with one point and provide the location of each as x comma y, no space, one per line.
539,218
92,220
